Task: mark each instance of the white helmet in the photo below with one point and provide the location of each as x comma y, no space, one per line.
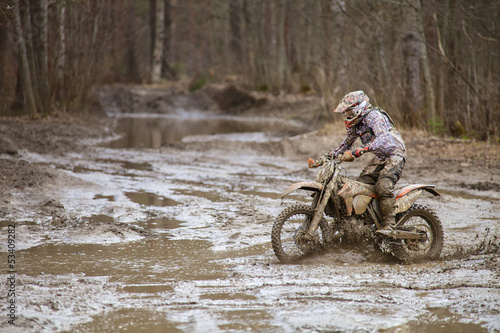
355,105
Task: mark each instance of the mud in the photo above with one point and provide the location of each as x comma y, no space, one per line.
158,218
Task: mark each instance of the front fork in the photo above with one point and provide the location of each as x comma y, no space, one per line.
320,207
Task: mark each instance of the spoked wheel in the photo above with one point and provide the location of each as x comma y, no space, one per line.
289,234
422,220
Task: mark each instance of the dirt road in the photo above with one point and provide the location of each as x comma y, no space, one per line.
166,226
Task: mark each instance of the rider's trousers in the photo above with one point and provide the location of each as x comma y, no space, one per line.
384,175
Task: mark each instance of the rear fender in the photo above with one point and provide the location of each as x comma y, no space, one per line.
407,196
307,186
407,189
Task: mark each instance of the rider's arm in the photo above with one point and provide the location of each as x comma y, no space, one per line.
347,143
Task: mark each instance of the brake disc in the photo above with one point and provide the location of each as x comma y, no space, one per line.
304,241
423,242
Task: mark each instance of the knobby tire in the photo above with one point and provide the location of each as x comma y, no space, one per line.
408,251
282,232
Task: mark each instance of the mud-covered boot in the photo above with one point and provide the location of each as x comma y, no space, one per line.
388,210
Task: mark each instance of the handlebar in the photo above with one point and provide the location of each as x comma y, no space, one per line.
314,164
345,157
322,160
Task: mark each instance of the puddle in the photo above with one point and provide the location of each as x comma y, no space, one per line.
106,197
150,199
128,320
463,229
137,166
272,166
100,218
152,132
467,195
74,169
150,288
149,261
127,164
235,137
490,218
207,195
160,223
4,224
277,196
81,169
254,250
228,296
271,195
247,320
440,320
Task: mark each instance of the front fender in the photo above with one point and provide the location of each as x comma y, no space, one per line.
308,186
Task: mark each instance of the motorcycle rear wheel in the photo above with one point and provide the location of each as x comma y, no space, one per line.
286,231
423,220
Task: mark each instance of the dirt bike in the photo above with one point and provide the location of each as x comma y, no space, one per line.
341,205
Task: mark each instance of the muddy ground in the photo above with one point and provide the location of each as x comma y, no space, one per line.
153,213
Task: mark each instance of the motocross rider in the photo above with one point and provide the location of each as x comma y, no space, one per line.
380,137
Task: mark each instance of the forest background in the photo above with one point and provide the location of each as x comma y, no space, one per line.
433,64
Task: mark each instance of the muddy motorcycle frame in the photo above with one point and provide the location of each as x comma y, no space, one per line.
302,229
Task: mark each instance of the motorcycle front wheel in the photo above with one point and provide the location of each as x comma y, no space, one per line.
419,219
290,225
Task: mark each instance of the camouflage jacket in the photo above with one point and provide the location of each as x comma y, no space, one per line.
377,133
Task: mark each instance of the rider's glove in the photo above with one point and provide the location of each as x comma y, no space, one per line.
346,157
360,151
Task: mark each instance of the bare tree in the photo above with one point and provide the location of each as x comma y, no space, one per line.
442,32
40,12
60,54
132,66
411,56
158,41
4,60
166,69
235,29
24,68
430,99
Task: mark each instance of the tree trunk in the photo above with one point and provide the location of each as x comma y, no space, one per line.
131,61
338,38
26,26
166,70
24,69
158,42
235,30
42,55
442,32
430,99
281,13
326,47
4,100
61,48
411,56
271,43
152,31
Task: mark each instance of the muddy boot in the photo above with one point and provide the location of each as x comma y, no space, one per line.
388,215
